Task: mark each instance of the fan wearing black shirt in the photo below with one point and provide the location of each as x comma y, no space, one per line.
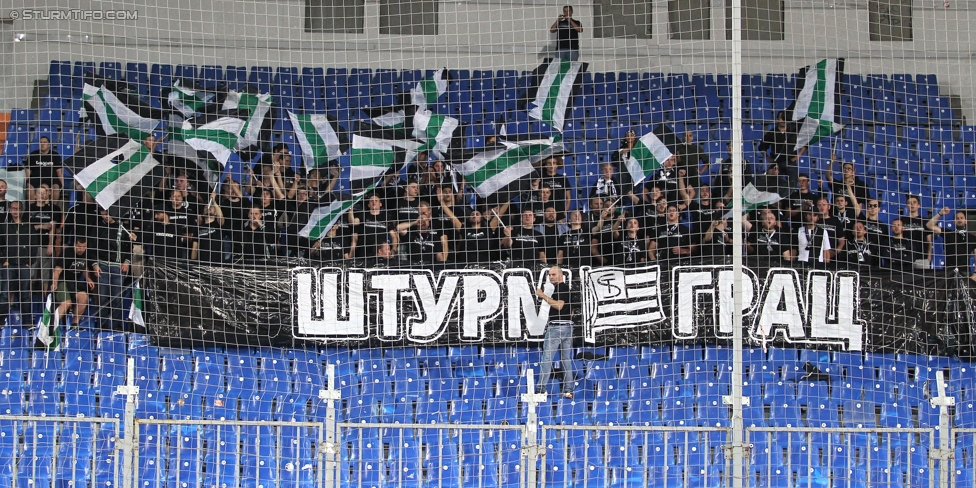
575,244
3,201
334,246
525,244
559,183
960,243
18,248
804,199
44,167
832,225
862,249
603,231
234,207
631,245
371,228
258,237
46,218
671,240
850,185
844,214
477,243
666,178
211,236
915,229
872,222
769,241
779,147
563,305
182,216
703,209
607,186
567,30
71,280
406,209
901,252
425,244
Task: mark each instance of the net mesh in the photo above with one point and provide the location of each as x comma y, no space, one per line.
448,206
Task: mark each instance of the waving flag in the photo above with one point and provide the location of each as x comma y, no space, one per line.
48,327
493,170
187,100
324,218
370,158
436,131
135,310
429,90
318,135
753,198
217,134
108,179
647,155
815,105
257,107
554,91
114,116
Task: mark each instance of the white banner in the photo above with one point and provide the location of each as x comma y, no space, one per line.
332,304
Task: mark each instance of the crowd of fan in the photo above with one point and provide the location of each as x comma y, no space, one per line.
425,216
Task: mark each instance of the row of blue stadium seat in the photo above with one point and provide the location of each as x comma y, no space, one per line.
876,85
647,108
676,382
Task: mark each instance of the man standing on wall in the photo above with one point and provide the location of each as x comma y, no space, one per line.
567,31
559,332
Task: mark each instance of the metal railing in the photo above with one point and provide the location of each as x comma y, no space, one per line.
835,456
38,451
41,451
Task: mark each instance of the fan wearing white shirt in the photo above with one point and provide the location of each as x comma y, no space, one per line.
813,242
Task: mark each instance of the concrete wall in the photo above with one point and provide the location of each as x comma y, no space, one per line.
475,34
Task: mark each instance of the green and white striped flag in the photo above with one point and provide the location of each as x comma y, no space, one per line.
814,104
216,134
394,119
187,100
493,170
49,326
369,158
429,90
111,177
753,198
135,310
114,116
318,137
647,155
324,218
436,131
257,107
555,91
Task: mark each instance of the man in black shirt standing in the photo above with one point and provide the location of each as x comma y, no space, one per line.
779,147
959,243
567,30
559,332
71,280
43,167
